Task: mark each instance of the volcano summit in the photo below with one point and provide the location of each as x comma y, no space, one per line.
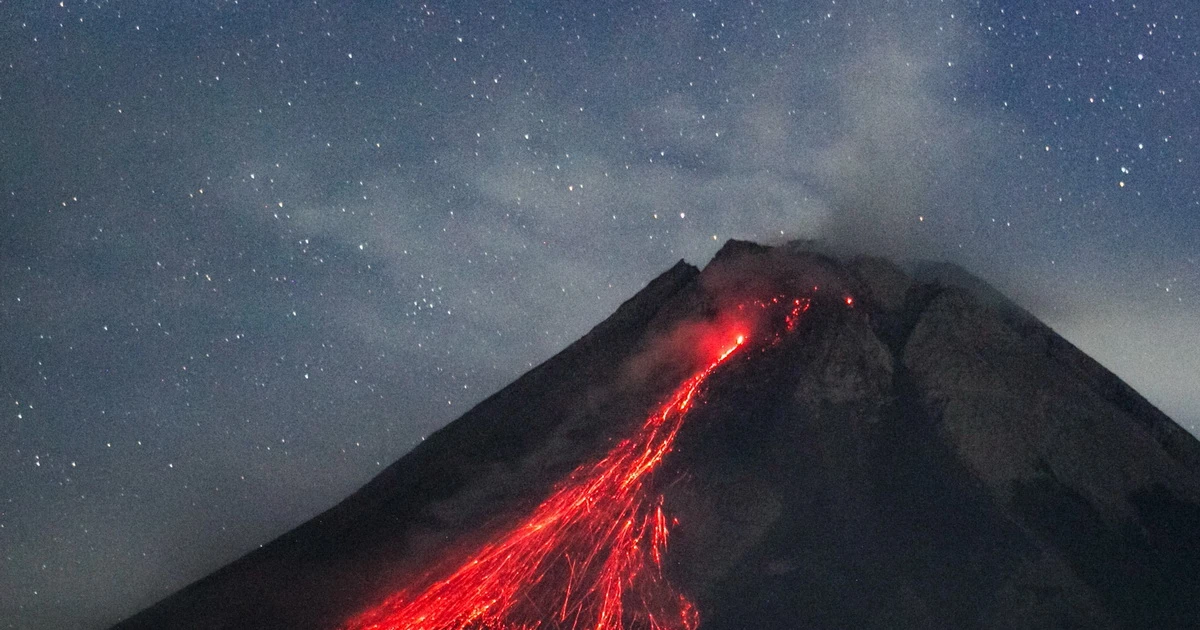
785,439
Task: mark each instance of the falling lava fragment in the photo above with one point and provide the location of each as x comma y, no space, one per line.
590,556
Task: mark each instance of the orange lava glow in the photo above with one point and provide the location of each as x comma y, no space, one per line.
590,556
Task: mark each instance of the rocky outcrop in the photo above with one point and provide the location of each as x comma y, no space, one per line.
919,452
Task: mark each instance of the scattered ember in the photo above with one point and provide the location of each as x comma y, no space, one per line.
589,557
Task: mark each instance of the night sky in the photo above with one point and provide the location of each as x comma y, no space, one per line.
252,252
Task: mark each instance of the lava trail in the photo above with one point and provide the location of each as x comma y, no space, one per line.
589,557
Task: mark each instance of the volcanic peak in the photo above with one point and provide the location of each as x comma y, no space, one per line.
917,450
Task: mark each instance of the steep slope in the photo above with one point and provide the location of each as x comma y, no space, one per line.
914,450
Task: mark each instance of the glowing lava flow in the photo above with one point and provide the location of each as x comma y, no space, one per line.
588,558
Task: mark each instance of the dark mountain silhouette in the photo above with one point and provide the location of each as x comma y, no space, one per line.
914,450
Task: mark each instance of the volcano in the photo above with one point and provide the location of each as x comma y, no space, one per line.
786,439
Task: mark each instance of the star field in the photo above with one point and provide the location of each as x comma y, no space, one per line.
251,253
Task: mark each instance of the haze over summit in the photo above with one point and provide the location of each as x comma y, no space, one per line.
250,255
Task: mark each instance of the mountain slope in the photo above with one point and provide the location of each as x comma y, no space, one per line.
917,451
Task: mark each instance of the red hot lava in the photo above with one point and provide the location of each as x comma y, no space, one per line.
589,557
